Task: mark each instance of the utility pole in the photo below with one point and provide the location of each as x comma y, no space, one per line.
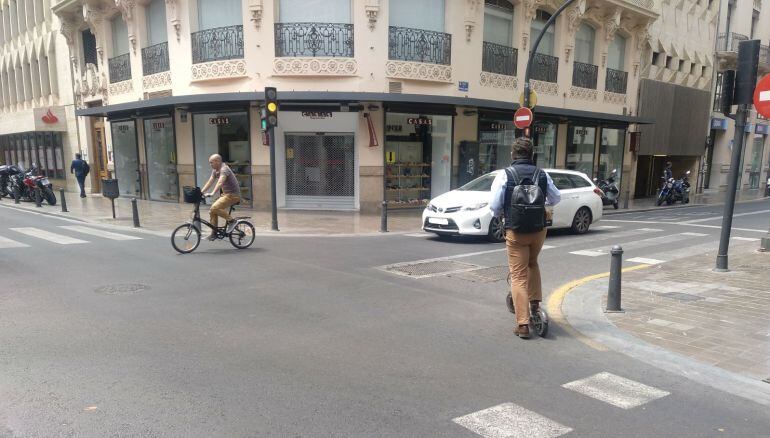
269,122
745,81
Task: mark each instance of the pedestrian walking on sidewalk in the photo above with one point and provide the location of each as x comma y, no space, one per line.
81,169
223,178
520,195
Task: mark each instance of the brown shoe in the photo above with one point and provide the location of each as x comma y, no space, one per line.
522,331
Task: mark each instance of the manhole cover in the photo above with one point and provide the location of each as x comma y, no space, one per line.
121,289
681,296
485,275
430,269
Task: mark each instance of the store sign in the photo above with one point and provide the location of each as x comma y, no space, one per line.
394,128
158,125
219,120
762,129
122,128
719,124
50,118
462,86
419,121
317,115
541,129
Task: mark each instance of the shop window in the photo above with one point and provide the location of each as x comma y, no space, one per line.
544,142
226,134
161,159
580,149
125,157
418,151
492,152
611,153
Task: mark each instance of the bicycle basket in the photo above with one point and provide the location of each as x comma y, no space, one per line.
192,195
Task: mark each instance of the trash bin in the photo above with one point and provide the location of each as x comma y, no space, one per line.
110,188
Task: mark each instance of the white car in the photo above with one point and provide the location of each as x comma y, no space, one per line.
465,211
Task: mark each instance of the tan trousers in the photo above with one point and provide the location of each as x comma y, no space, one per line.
526,286
221,207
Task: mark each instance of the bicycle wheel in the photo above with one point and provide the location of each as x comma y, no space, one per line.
186,238
243,235
540,323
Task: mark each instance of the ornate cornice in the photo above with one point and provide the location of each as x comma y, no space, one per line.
230,69
495,80
256,10
315,67
612,24
121,87
615,98
158,80
372,9
542,87
583,93
173,17
418,71
472,12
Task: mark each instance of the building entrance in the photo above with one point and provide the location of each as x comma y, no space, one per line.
320,171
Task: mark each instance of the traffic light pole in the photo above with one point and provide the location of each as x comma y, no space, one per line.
273,192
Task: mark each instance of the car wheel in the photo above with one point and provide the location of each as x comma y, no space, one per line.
496,231
581,221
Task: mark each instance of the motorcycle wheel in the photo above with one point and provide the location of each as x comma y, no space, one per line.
49,196
616,205
659,202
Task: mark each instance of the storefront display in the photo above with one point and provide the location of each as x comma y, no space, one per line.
581,146
757,150
611,153
496,138
226,134
47,156
161,159
544,142
126,158
418,152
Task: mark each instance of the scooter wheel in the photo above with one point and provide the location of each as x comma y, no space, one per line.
539,322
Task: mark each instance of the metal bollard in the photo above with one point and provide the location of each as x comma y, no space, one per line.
38,200
384,218
16,196
616,266
135,212
63,201
625,200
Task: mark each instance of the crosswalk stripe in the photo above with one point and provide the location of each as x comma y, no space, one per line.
634,244
615,390
588,253
99,233
511,421
47,235
645,261
695,234
746,239
8,243
606,227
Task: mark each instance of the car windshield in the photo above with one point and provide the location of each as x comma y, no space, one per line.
480,184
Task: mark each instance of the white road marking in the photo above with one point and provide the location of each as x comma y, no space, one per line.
660,322
606,227
645,261
695,234
548,247
587,253
99,233
713,218
8,243
681,327
746,239
511,421
419,235
47,235
652,230
615,390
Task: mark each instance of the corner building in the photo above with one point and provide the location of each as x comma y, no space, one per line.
395,100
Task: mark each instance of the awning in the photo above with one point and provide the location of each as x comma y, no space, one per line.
192,101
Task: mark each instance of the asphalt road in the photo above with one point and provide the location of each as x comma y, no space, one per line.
316,337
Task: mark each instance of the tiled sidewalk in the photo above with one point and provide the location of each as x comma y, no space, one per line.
165,216
719,318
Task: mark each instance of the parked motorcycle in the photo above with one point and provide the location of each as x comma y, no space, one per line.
33,181
609,188
6,173
675,190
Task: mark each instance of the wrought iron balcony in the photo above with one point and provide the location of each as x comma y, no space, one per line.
405,44
120,68
729,42
545,68
155,59
217,44
314,39
584,75
616,81
499,59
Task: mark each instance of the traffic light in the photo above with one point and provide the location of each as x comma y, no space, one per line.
270,115
728,90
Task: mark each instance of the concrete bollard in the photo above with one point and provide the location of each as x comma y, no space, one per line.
616,267
135,212
63,201
38,198
384,218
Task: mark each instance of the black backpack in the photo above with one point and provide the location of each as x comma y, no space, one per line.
525,210
86,168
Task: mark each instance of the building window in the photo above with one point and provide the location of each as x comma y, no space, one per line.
498,23
718,93
89,48
314,11
616,54
584,44
681,65
220,34
314,28
669,59
156,22
119,36
424,14
214,14
547,43
416,32
655,58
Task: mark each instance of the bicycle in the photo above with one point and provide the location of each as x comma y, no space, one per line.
537,320
187,237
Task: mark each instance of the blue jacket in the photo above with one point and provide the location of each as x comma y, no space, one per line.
78,167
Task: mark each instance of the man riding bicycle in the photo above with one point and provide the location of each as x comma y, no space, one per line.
230,189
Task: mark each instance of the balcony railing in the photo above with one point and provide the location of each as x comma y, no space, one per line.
120,68
584,75
217,44
314,39
616,81
499,59
545,68
405,44
155,59
729,42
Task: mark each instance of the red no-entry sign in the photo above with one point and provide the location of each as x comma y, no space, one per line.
762,97
522,118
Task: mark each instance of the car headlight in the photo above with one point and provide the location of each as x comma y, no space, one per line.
475,206
431,207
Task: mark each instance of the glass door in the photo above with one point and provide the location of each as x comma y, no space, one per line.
126,158
161,159
581,144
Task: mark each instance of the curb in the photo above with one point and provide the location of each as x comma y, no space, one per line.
582,312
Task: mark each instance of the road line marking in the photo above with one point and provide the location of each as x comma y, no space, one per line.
645,261
719,227
8,243
606,227
99,233
615,390
548,247
419,235
47,235
694,234
588,253
681,327
746,239
511,421
713,218
660,322
654,230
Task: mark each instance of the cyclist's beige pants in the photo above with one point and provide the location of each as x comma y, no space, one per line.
523,249
221,207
